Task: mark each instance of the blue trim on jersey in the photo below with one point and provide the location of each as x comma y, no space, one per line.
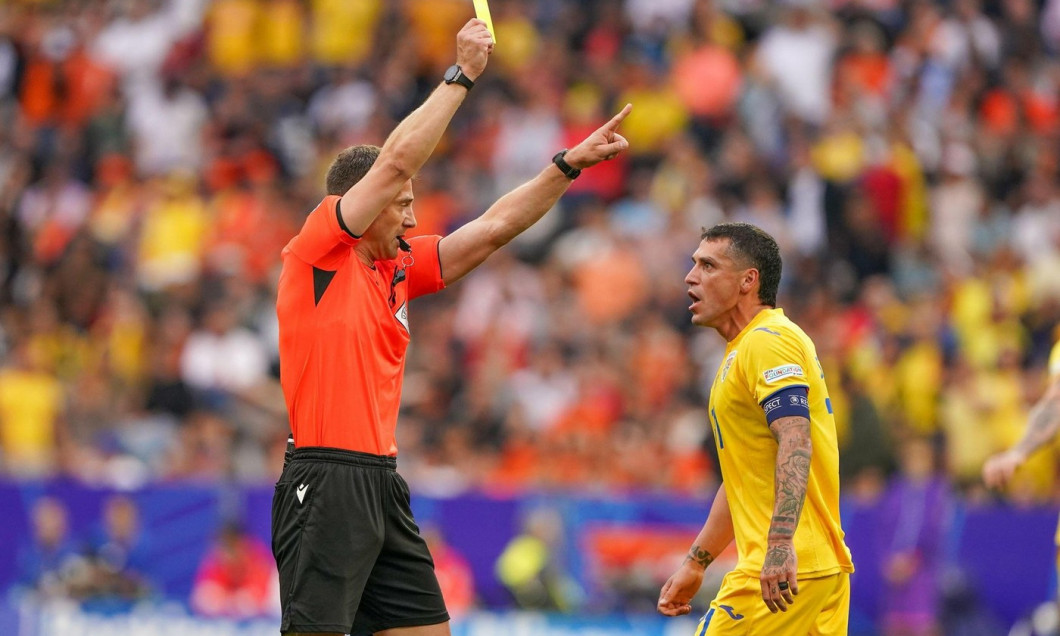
791,401
782,389
767,330
717,427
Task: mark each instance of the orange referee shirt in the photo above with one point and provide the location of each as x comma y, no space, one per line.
344,332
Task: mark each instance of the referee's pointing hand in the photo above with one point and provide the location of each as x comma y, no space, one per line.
603,144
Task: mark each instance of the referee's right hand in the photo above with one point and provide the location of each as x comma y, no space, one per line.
473,47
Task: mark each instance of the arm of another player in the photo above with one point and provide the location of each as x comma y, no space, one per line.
414,139
466,248
794,451
716,535
1042,426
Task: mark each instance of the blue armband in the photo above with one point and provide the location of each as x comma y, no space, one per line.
788,402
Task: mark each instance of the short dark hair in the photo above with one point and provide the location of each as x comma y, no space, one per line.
751,244
350,167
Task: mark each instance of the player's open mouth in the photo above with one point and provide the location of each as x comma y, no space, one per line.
695,299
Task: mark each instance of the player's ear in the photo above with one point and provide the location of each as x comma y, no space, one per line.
750,280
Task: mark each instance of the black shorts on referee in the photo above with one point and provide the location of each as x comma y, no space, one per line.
350,556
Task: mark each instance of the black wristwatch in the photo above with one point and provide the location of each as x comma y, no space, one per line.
455,74
568,170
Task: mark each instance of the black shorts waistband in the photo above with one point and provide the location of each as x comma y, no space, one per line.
343,456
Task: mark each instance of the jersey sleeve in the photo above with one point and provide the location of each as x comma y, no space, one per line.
1054,361
776,361
320,235
425,273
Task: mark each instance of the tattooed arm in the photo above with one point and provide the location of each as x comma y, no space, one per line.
716,535
1042,426
794,452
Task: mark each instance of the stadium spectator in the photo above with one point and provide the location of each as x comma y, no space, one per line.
221,359
32,404
122,552
44,565
794,57
454,574
236,578
1042,426
914,516
530,566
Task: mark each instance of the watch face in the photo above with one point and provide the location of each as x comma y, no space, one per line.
451,73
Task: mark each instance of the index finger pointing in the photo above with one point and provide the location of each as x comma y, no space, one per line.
617,119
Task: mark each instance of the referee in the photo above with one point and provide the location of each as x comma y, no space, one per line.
350,556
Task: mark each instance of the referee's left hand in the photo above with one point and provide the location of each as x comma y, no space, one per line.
781,566
605,143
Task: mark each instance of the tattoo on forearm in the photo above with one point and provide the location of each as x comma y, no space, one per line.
700,556
792,473
777,556
784,521
1042,425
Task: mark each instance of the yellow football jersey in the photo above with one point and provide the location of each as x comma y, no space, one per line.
772,354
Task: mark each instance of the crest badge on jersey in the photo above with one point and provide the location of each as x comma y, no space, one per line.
402,315
728,363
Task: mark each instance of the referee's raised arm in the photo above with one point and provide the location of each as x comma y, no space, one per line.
412,142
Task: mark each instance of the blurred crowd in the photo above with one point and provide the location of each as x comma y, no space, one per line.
116,564
156,155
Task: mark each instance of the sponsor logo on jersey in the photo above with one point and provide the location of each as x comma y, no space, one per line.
731,612
776,374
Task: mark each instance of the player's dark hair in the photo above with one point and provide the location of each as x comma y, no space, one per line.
752,245
350,167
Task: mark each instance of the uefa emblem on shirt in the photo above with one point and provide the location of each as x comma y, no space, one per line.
402,315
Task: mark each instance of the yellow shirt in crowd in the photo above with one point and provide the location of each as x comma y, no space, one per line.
30,402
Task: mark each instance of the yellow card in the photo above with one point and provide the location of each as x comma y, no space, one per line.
482,12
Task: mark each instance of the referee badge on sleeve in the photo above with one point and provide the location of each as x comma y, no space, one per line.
402,315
